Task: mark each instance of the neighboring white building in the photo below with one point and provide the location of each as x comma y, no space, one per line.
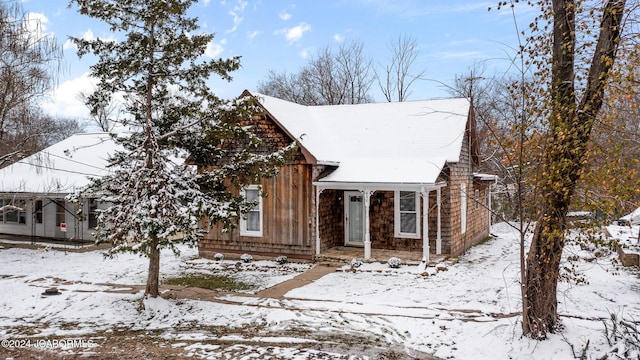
631,219
33,190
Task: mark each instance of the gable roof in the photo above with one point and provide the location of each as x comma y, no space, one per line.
402,142
60,168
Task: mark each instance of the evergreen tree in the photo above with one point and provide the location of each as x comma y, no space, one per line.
156,200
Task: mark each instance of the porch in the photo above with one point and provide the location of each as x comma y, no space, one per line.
374,222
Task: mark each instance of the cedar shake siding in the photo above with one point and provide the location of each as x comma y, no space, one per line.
331,219
460,175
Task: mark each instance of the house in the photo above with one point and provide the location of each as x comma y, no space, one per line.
33,189
395,176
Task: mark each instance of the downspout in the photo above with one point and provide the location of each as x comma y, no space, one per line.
317,216
439,227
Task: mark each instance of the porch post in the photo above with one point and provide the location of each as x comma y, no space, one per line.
425,224
439,233
318,192
367,232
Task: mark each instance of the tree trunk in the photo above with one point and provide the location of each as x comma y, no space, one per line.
570,125
543,265
154,268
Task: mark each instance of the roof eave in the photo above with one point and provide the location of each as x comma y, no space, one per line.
375,186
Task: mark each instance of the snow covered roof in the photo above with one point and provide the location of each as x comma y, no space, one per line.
402,142
485,177
633,217
60,168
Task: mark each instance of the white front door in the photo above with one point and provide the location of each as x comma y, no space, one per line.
353,218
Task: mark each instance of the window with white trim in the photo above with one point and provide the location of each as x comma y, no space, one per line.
61,216
92,207
477,196
407,214
251,222
16,213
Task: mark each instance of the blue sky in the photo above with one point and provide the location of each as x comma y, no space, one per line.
282,35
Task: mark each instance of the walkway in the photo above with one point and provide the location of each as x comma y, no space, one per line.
306,278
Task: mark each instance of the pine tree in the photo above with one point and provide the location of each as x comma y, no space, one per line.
156,200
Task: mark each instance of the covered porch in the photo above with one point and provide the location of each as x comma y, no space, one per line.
376,221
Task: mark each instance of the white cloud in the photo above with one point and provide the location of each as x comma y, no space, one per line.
68,45
304,53
214,50
236,14
65,102
87,35
459,54
284,15
37,22
36,25
236,21
253,34
338,38
295,33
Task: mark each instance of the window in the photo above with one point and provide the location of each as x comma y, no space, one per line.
37,211
251,222
463,208
93,216
477,194
60,216
407,214
14,214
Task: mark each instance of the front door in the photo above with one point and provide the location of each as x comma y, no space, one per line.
353,218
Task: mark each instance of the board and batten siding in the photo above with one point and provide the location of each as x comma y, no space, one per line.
287,219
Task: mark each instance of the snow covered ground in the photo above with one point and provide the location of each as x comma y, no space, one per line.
627,236
470,310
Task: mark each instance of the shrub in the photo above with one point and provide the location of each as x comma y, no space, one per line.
623,338
355,263
246,258
218,257
282,260
394,262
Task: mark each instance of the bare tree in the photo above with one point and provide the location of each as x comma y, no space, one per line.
398,77
330,78
104,112
29,59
